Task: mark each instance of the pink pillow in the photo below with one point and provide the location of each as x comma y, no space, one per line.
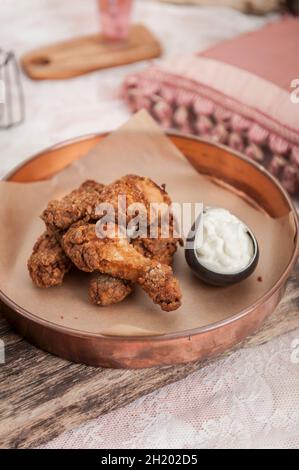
243,93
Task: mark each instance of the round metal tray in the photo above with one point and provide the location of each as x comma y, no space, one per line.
247,179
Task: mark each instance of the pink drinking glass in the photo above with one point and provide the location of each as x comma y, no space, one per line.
115,18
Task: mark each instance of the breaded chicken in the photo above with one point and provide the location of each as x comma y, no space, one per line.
48,257
48,263
161,250
117,257
137,190
80,204
141,190
108,290
79,207
152,193
122,191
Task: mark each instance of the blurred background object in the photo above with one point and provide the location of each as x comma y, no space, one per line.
115,18
293,6
118,43
59,109
12,106
86,54
258,7
240,93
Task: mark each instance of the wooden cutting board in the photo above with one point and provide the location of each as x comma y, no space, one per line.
42,396
86,54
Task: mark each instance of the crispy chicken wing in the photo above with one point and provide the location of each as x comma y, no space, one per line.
79,207
157,249
117,257
162,248
80,204
48,263
156,201
137,190
108,290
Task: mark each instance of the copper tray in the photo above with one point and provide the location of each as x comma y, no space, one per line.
245,177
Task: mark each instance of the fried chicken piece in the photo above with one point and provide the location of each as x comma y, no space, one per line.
117,257
162,287
108,290
161,250
80,204
163,247
144,191
137,190
91,185
48,263
72,210
152,192
112,195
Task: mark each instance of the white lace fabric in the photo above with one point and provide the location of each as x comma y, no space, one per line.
247,400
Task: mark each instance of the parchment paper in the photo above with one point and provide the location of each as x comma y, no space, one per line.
138,147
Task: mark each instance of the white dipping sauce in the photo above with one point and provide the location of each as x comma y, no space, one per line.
226,246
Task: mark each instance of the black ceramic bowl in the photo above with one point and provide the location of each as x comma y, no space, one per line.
216,278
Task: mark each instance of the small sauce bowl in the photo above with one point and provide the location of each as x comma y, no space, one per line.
213,277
